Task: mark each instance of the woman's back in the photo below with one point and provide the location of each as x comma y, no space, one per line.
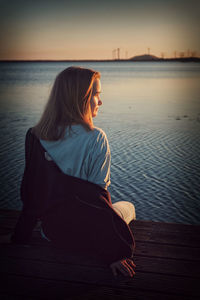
83,154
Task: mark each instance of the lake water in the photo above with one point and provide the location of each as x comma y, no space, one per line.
151,115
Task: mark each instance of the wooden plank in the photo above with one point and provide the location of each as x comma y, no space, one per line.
107,293
182,285
55,270
171,228
167,258
167,251
165,284
145,264
29,288
168,266
190,240
49,254
142,249
32,289
169,238
163,226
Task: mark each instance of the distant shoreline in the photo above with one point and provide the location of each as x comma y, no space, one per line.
186,59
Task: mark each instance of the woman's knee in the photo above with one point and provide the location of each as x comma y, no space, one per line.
126,209
132,209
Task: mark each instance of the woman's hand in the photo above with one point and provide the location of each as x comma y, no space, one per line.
124,266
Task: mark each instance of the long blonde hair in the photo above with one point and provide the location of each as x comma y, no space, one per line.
69,103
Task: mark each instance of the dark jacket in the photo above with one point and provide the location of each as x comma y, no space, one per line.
76,214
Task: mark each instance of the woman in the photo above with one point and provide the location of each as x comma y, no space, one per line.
66,176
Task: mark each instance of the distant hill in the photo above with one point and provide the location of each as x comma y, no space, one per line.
145,57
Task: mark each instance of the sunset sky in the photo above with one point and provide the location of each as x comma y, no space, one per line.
92,30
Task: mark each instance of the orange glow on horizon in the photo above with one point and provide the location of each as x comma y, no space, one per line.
57,31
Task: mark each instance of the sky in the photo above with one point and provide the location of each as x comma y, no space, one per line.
36,29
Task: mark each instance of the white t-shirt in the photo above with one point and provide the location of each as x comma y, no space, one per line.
83,154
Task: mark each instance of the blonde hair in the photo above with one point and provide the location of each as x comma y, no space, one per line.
69,103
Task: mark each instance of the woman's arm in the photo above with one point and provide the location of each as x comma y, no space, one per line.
99,162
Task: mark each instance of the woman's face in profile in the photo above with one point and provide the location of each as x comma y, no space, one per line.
95,101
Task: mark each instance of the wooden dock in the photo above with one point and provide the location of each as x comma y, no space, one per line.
167,258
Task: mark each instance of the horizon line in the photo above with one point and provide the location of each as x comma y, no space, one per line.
133,59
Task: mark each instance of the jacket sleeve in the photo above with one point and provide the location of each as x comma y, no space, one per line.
109,233
27,220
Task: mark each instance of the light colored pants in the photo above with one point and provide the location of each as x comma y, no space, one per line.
126,210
